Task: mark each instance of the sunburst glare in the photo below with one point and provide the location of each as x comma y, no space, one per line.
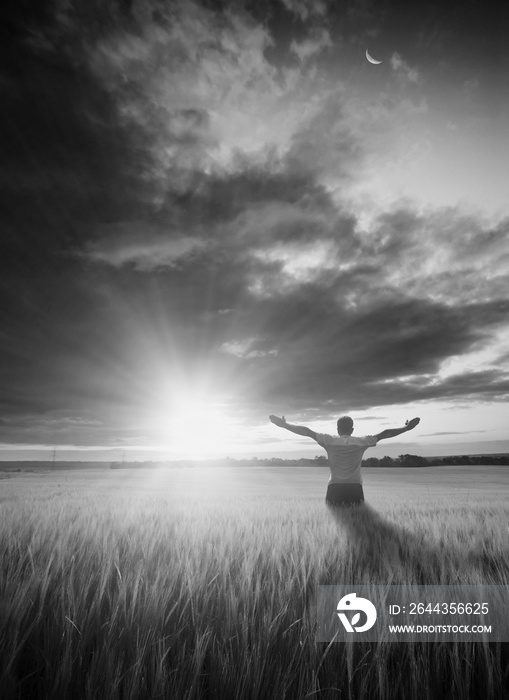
190,421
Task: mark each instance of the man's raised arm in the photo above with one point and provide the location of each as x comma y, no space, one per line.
298,429
392,432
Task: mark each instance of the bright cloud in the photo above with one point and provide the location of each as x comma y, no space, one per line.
306,8
403,70
141,245
318,41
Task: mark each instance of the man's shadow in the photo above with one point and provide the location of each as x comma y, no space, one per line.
379,551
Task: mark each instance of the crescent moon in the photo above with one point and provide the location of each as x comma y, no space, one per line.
371,59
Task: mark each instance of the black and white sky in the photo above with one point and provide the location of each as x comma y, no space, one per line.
213,211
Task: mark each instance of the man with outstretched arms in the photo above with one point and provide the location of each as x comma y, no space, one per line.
345,455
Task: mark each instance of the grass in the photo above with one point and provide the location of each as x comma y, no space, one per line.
115,587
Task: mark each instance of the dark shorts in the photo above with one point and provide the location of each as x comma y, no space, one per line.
337,494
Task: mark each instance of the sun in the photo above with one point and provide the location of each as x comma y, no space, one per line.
198,426
193,424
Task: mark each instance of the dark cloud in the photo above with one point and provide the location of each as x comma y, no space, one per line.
327,353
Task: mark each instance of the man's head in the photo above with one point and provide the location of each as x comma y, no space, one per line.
345,425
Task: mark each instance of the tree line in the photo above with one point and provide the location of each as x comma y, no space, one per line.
406,461
418,461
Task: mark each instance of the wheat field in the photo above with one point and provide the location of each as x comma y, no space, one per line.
201,583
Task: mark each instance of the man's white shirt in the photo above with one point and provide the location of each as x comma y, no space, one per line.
345,456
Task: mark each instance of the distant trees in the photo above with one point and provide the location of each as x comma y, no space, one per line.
418,461
412,461
496,460
406,461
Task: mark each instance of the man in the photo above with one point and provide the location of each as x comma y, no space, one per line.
345,455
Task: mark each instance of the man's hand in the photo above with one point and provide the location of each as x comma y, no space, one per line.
297,429
394,432
410,424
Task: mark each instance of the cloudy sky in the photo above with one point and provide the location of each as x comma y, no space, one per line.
213,211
